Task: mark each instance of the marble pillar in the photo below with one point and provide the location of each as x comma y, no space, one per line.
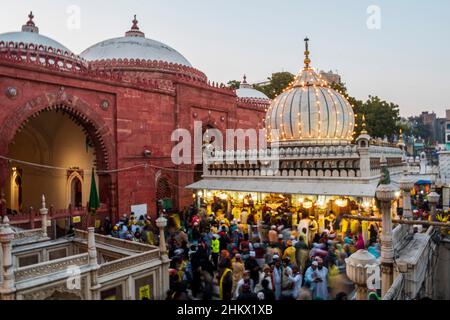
386,194
7,289
44,217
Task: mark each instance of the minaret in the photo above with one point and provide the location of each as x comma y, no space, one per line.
363,148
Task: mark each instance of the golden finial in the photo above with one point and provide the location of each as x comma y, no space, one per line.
400,138
364,126
307,60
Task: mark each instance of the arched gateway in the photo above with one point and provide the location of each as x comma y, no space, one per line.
57,130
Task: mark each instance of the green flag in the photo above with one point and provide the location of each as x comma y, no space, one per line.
94,201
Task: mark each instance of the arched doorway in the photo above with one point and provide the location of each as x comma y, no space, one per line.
16,190
164,194
50,141
76,189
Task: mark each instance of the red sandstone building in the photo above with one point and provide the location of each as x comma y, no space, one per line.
113,107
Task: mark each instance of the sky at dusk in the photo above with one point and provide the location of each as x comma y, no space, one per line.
404,56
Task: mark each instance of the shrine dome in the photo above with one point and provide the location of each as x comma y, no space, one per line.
134,46
246,91
29,38
310,112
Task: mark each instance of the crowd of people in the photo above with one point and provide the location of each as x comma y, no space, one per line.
250,251
254,252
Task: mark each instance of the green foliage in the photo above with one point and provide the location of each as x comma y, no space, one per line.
382,118
278,82
234,84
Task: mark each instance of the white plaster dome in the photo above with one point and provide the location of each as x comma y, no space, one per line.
29,38
134,46
246,91
310,112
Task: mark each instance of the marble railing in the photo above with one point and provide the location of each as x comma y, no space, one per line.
110,241
50,267
396,291
335,173
128,262
27,234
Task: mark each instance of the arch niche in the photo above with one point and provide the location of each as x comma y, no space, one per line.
49,116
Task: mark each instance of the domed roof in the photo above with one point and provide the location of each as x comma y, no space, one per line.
310,112
30,36
246,91
135,46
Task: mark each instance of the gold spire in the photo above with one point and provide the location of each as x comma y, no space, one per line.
400,138
307,60
364,126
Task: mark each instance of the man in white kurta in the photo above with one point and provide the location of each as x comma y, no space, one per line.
321,279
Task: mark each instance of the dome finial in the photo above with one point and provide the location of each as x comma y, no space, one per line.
135,24
307,60
134,31
244,84
30,26
364,126
30,21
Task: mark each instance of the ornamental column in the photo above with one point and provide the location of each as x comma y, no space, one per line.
386,194
161,223
7,289
44,214
406,186
358,267
93,262
433,200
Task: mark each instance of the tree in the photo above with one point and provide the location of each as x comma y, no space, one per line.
382,118
277,83
234,84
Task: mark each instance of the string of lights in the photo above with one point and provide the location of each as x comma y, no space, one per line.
130,168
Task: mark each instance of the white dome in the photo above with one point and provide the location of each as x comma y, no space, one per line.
250,93
310,112
246,91
134,46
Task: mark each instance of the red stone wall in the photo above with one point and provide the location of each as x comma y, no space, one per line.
136,119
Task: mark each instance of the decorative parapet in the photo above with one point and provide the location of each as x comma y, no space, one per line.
147,65
50,267
128,262
258,104
389,152
291,153
21,235
40,52
110,241
63,64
